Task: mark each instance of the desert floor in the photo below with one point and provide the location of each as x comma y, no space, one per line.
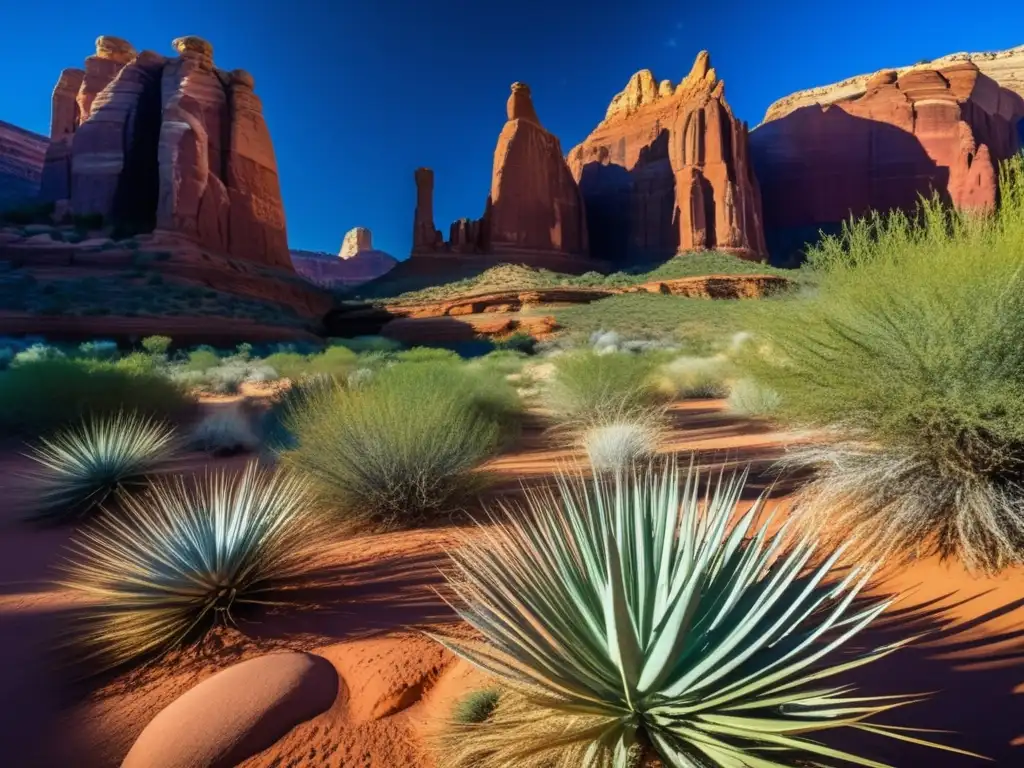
370,595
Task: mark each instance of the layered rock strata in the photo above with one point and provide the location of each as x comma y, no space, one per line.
667,171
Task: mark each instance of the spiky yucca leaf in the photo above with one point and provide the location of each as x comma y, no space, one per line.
178,557
83,467
629,617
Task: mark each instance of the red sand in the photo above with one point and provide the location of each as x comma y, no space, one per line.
374,592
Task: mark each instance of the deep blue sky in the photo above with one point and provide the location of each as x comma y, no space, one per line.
358,93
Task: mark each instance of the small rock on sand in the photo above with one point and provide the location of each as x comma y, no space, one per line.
237,713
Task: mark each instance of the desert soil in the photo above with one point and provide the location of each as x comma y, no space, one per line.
371,596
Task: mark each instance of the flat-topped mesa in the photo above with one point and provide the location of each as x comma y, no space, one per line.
534,212
355,241
667,171
905,134
170,143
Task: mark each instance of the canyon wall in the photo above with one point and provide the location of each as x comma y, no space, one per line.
22,154
943,130
667,171
171,143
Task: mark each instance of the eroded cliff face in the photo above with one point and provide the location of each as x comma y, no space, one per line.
928,129
534,212
171,143
22,154
667,171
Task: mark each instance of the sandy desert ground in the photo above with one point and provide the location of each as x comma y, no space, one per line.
370,595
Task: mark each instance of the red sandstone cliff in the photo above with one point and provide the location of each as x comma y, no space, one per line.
172,143
534,212
940,129
667,171
21,165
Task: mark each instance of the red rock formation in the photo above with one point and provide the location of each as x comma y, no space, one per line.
534,212
667,171
927,129
172,143
357,262
21,165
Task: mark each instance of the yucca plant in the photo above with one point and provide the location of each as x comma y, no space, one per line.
81,468
181,558
628,622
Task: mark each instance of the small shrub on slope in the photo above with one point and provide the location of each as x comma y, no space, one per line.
177,560
911,352
628,618
400,449
695,377
38,397
81,469
586,386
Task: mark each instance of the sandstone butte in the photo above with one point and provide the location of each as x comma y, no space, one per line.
21,165
534,213
357,262
667,171
167,142
943,129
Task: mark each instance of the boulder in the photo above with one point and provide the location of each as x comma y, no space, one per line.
237,713
908,133
667,171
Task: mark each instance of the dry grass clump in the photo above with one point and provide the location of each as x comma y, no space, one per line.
614,445
629,621
405,446
80,469
910,351
586,386
178,559
748,397
695,377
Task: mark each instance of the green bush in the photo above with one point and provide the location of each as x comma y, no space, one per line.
156,345
202,359
477,706
427,355
138,362
401,449
369,344
695,377
41,396
911,351
334,361
290,365
588,387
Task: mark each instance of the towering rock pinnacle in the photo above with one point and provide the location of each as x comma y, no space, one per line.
667,171
167,142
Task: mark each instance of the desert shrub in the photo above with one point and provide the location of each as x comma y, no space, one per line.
207,552
695,377
614,445
400,450
83,468
280,419
225,379
226,431
37,353
520,341
38,397
334,361
202,359
504,361
749,397
139,362
156,345
262,373
910,352
98,350
632,617
362,344
427,355
244,351
476,706
290,365
586,386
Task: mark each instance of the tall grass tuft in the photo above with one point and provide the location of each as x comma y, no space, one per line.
83,468
586,386
633,620
179,559
911,351
403,447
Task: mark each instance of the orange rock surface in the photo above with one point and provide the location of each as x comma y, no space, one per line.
667,171
173,143
534,213
907,134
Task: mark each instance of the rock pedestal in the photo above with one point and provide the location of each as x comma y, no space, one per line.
667,171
